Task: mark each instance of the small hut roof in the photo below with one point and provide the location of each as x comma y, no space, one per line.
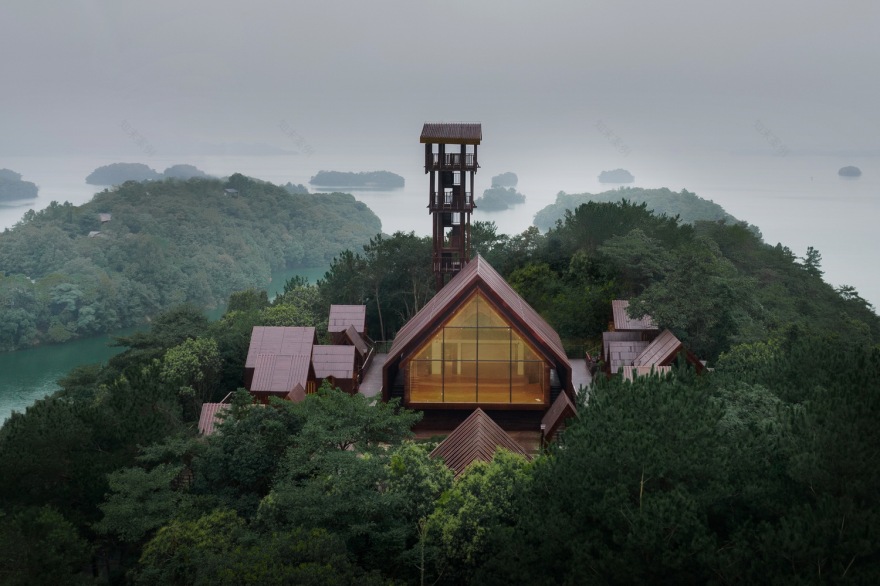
280,374
280,341
451,133
555,417
357,341
335,361
342,316
661,352
476,438
209,417
623,322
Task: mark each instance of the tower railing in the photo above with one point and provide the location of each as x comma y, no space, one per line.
453,160
445,200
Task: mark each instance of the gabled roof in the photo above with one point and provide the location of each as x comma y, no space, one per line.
208,417
281,374
357,341
476,438
661,352
623,322
561,410
335,361
342,316
451,133
478,273
286,341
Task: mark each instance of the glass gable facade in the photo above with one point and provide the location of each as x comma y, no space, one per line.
476,357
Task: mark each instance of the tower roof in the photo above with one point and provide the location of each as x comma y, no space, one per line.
451,133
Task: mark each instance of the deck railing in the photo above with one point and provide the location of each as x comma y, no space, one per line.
453,160
447,200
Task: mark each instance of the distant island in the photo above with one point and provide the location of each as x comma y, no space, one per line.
12,187
850,171
508,179
362,180
688,206
616,176
141,248
118,173
496,199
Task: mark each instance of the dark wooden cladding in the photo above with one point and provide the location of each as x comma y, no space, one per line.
452,133
451,162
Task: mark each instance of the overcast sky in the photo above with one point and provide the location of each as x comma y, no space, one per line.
677,74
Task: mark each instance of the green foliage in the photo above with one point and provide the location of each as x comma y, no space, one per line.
220,549
473,517
686,205
169,242
39,546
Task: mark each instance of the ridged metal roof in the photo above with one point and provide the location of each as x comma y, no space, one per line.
451,133
476,438
554,420
342,316
623,322
335,361
478,273
208,417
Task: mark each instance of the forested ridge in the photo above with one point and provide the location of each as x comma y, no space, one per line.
64,273
761,471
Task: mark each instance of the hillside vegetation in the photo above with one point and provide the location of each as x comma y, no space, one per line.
64,274
764,470
685,204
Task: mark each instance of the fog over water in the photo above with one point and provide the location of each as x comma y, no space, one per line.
797,200
750,103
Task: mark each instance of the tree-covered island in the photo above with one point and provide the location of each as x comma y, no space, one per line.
12,186
361,180
139,248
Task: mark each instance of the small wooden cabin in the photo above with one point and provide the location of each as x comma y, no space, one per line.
279,363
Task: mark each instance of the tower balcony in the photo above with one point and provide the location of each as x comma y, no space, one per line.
451,161
452,201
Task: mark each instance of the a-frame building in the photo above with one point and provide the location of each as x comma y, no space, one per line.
477,343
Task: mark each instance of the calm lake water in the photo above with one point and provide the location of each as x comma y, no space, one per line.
28,375
797,200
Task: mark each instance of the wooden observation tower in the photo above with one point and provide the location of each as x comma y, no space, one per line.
451,161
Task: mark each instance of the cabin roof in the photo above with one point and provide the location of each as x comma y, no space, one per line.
357,341
608,337
451,133
342,316
562,409
660,352
622,321
279,341
479,274
279,374
475,438
335,361
208,418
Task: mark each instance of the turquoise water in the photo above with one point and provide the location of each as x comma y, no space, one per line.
28,375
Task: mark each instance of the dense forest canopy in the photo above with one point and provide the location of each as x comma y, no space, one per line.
763,470
66,273
363,179
688,206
